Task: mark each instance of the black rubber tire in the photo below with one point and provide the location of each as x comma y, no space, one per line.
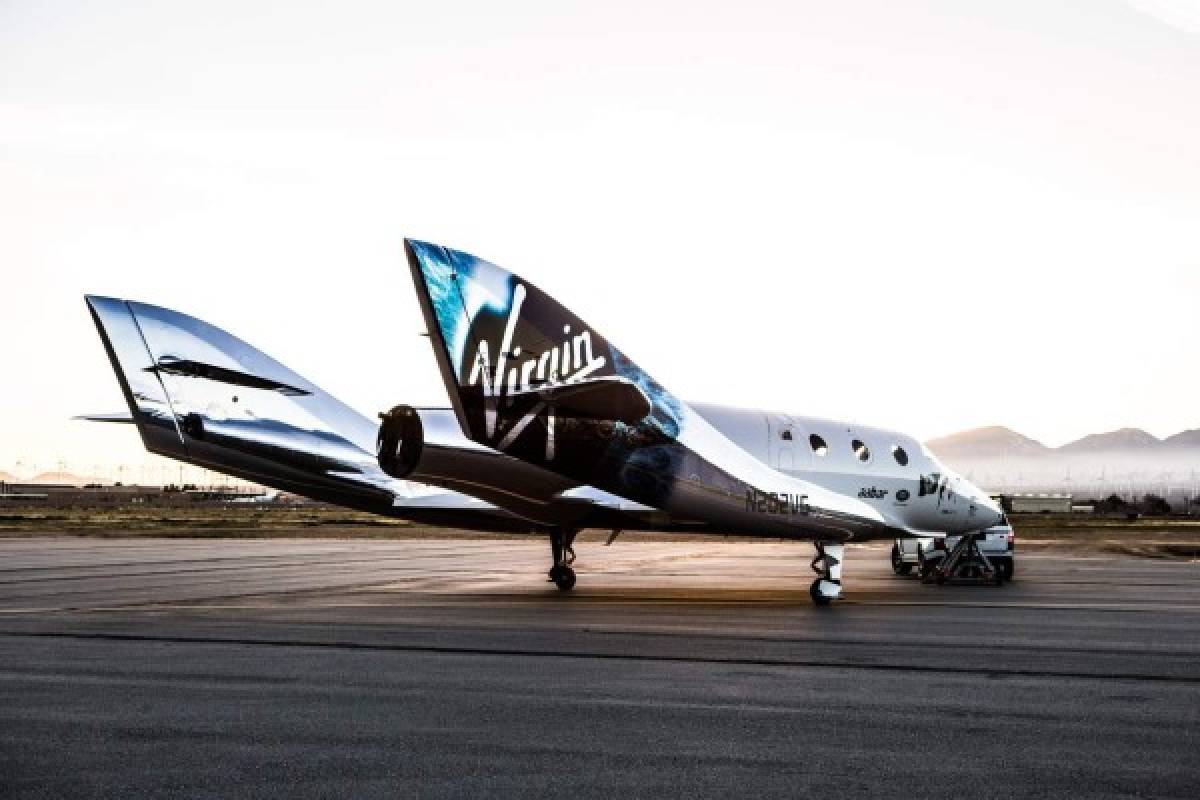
563,577
898,566
1007,568
814,591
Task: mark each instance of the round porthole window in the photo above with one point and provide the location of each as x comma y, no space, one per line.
861,452
818,445
900,456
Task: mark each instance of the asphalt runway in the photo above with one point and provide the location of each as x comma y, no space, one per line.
438,668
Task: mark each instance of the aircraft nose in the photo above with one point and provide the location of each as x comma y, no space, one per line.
990,514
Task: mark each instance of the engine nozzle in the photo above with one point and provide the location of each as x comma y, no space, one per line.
400,442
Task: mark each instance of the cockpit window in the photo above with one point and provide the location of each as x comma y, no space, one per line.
861,452
818,445
900,456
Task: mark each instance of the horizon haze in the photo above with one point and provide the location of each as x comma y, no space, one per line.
928,216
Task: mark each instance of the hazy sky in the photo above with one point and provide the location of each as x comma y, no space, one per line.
925,215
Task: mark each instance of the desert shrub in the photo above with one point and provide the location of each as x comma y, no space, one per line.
1153,505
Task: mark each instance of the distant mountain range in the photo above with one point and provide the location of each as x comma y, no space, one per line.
68,478
994,441
1128,460
998,442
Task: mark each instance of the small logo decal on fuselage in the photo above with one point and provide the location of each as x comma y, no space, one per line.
871,493
902,496
776,502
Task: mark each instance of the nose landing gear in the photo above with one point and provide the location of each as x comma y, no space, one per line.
828,565
563,552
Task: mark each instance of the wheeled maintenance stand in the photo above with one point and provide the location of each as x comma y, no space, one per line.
964,563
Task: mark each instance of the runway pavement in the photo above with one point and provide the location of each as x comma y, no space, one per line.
440,668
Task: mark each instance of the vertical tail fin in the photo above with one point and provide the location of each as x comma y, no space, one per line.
530,378
526,375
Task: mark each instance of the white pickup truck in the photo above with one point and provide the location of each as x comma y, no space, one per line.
998,543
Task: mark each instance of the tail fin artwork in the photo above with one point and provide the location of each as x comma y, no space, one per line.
529,378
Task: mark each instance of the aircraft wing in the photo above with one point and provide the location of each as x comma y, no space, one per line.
200,395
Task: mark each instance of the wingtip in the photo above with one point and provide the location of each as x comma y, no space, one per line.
96,300
120,417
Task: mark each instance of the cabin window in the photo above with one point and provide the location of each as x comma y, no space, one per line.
786,436
818,445
861,452
900,456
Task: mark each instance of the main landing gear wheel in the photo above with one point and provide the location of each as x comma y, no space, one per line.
828,566
563,577
561,541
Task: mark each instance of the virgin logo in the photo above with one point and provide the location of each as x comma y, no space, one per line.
526,373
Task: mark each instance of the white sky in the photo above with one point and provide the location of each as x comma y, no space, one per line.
924,215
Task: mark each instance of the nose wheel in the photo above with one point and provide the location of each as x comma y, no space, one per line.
563,553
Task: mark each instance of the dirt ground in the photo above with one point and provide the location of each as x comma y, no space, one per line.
1151,537
1158,537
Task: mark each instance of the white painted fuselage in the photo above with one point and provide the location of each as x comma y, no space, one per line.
891,471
